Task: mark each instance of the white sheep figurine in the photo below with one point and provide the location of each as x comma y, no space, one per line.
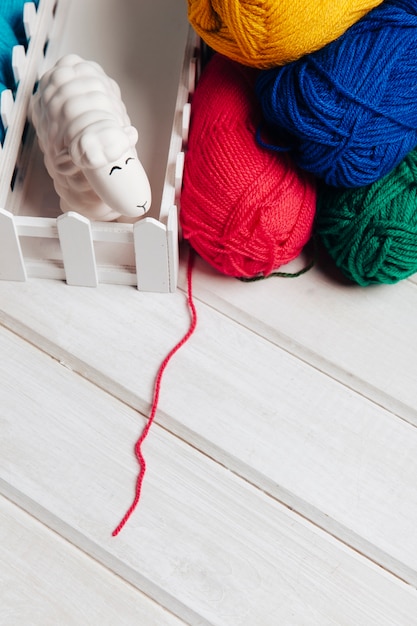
88,142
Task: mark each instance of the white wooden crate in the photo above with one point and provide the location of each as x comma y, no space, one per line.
36,243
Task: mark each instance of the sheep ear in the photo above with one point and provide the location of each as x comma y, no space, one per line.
86,151
132,134
64,164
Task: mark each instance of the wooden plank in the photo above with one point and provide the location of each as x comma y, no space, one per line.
44,269
338,458
204,543
28,226
364,337
46,580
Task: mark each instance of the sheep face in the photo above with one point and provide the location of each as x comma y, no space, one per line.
122,185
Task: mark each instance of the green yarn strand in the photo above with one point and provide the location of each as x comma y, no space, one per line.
279,274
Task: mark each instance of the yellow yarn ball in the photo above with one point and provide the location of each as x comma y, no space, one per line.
267,33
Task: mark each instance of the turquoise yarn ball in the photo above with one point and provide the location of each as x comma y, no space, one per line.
12,12
12,33
8,39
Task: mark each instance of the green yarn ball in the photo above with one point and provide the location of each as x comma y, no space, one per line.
371,232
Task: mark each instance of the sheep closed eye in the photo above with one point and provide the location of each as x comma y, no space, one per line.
117,167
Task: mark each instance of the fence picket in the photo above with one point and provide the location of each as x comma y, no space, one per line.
6,107
19,61
29,19
12,266
77,249
151,254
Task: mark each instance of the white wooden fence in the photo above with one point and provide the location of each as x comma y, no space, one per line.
69,243
71,247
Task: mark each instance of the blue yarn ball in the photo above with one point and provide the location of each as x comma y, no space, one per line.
348,112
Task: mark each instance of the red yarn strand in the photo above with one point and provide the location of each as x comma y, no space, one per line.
156,393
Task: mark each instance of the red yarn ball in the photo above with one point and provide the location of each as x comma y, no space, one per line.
245,209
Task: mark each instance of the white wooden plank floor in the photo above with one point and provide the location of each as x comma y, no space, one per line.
281,469
275,493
